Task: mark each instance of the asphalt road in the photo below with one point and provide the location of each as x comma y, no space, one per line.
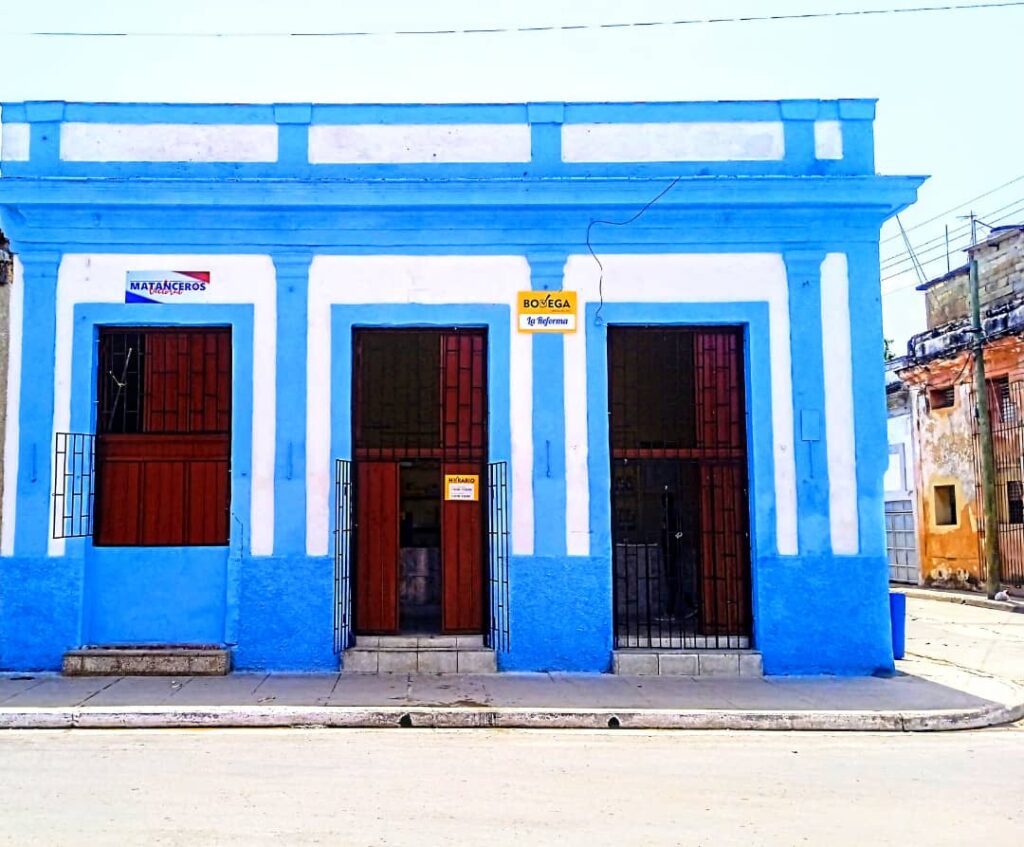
422,787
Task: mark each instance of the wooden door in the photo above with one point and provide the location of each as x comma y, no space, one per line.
462,556
376,576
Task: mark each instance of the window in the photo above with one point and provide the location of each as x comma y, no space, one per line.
1015,502
945,505
163,437
1002,400
941,398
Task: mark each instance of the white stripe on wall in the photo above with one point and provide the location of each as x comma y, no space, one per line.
577,441
98,142
16,308
360,144
683,278
749,141
369,280
100,278
15,140
840,434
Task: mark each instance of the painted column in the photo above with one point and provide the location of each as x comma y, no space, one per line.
35,453
290,460
870,419
803,268
548,417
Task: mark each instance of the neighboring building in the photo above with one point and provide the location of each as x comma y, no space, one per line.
6,278
939,376
277,385
900,498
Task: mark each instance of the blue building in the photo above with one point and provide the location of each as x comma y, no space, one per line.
571,386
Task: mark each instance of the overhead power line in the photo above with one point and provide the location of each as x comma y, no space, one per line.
1010,210
805,16
955,208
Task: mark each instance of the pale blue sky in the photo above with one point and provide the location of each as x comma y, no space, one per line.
946,82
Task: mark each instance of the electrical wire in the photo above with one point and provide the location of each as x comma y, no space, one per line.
627,222
955,208
804,16
956,235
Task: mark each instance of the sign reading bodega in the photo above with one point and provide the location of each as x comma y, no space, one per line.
547,311
166,286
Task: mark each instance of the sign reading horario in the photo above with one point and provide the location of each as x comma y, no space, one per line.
166,286
547,311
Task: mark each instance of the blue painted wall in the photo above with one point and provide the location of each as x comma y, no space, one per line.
813,613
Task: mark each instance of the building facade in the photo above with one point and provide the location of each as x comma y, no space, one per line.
900,496
570,379
939,377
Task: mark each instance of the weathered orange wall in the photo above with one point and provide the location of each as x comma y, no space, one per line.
945,456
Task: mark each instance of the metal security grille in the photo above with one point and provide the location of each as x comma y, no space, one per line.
73,484
420,394
1006,402
679,487
901,541
497,548
342,554
163,445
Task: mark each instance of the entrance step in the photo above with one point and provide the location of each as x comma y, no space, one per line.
419,654
147,661
717,663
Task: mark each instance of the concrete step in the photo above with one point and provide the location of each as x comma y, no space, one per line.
147,661
415,659
716,663
420,642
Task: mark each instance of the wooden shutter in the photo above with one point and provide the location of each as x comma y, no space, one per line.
376,577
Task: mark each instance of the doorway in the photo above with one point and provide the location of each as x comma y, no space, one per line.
419,436
680,515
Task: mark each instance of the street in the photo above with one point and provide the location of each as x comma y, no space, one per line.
395,787
421,787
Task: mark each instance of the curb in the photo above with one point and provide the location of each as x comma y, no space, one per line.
961,598
165,717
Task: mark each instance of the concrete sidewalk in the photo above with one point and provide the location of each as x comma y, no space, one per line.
965,669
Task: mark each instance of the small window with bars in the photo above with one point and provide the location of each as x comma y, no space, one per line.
942,398
1014,502
1004,405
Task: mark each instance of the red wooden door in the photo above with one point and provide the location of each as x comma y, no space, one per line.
462,556
376,576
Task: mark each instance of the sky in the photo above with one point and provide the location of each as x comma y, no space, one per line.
946,81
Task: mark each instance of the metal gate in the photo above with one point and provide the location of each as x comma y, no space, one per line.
901,541
1006,408
74,488
497,555
342,554
681,562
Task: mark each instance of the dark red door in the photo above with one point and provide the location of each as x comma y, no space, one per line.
376,576
462,559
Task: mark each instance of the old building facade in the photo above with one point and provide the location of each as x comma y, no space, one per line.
559,386
939,376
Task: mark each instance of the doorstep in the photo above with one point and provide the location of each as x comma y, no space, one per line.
426,654
704,663
149,660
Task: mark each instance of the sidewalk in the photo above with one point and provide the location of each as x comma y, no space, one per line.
965,669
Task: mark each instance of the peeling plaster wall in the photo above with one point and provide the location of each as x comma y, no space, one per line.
945,455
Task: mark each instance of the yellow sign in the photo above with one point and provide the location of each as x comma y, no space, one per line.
462,487
547,311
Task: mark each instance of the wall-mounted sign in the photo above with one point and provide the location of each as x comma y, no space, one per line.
166,286
462,487
547,311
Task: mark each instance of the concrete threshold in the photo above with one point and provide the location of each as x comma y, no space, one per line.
964,598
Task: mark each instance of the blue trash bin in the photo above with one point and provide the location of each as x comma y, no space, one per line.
898,616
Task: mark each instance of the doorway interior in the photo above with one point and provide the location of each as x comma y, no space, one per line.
420,422
680,514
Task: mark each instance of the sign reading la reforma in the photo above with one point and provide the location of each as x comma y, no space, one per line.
546,311
166,286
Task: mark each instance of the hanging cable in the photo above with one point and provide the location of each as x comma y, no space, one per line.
593,223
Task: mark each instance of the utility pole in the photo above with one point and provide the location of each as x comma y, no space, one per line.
993,563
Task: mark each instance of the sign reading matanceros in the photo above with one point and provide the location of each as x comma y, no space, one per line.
546,311
167,287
